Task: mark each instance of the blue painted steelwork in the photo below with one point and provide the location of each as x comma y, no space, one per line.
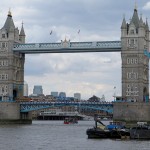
10,101
68,47
146,53
106,109
31,106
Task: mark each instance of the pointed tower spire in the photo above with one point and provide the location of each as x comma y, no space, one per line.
22,33
9,13
135,17
141,24
9,24
124,25
147,27
135,7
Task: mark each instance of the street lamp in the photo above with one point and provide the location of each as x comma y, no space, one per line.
114,93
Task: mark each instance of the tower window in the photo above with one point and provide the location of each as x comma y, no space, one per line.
3,45
132,42
132,60
128,60
136,60
132,31
3,76
3,62
3,89
3,35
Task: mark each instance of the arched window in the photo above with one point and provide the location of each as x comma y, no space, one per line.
132,31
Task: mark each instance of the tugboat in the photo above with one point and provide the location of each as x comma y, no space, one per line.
113,130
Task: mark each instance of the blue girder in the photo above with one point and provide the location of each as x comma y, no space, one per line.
106,109
31,106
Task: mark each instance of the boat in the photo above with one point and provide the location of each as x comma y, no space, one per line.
116,130
140,131
98,132
70,121
58,114
116,125
113,130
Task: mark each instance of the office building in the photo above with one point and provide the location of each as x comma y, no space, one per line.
25,92
77,96
54,94
38,90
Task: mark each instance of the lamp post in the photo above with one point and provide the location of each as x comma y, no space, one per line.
114,93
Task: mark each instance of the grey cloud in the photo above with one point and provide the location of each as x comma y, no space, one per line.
65,63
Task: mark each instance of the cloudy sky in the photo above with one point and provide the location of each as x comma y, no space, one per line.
98,20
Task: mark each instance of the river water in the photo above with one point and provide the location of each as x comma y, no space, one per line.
54,135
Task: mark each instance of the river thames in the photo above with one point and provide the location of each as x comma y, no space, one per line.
54,135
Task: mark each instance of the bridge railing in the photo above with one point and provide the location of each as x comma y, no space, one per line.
67,102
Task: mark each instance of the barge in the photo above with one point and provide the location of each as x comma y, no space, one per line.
119,131
115,130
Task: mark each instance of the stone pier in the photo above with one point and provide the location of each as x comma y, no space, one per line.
10,114
131,111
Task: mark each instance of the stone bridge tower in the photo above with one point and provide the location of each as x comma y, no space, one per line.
11,63
135,65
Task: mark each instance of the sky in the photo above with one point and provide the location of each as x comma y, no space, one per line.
86,73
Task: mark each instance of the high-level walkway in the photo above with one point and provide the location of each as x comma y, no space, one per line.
68,47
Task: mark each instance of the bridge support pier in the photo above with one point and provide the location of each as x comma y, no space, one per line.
131,112
10,114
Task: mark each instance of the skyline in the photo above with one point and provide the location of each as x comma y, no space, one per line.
58,92
87,73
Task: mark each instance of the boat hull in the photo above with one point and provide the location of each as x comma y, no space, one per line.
137,133
112,134
97,133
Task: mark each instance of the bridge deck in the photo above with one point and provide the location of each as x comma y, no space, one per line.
68,47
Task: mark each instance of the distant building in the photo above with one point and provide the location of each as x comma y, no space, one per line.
25,92
38,90
54,94
62,95
94,99
102,99
77,96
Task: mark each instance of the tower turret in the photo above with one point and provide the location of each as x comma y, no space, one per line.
141,27
22,34
135,18
9,27
124,27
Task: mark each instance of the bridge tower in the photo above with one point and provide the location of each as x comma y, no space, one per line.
11,63
135,65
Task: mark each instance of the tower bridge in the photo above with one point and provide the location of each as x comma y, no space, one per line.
135,65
